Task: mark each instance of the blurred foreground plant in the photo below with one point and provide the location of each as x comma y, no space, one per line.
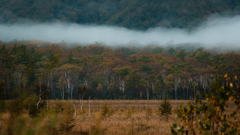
218,115
105,110
59,119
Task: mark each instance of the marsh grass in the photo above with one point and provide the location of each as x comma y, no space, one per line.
121,117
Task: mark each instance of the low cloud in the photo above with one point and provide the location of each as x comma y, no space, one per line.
216,31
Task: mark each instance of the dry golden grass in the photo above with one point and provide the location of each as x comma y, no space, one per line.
125,117
119,123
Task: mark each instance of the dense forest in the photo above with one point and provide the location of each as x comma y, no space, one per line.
104,72
134,14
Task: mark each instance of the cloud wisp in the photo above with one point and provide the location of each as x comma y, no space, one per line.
218,31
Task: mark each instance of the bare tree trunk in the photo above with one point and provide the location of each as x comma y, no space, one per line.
176,86
38,102
147,92
79,96
40,91
194,93
122,85
75,112
55,96
47,105
81,102
141,95
63,92
71,92
89,106
153,89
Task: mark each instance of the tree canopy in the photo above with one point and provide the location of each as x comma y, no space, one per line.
134,14
104,72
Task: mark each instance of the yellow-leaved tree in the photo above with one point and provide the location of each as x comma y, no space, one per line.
219,114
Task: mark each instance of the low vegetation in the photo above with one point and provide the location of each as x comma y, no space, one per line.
219,115
114,117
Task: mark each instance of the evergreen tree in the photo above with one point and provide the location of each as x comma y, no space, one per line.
70,58
166,107
105,110
133,81
111,89
2,96
2,90
172,51
81,90
158,88
182,54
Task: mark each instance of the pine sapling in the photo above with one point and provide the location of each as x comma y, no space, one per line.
166,107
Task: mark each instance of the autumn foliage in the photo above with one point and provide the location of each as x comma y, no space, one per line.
218,115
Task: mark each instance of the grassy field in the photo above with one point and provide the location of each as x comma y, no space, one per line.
121,117
143,119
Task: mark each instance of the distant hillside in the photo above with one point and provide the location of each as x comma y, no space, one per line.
135,14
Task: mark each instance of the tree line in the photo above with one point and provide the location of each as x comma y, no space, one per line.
103,72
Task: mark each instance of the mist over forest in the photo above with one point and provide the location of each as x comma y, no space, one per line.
94,67
216,31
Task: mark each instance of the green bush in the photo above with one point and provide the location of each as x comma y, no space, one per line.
67,119
105,110
16,106
213,116
31,105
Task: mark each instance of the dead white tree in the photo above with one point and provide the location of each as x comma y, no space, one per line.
89,106
75,110
38,101
176,82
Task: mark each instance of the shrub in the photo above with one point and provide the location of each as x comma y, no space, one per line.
97,128
67,121
213,116
83,111
2,96
129,112
58,107
16,106
31,104
148,112
105,110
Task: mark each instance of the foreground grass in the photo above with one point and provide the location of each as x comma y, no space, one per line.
144,119
122,117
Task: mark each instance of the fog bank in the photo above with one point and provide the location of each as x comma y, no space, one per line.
224,31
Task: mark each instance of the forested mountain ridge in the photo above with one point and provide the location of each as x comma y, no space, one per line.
135,14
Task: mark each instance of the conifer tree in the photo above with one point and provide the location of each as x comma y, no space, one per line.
70,58
166,107
158,88
2,96
2,90
81,90
182,54
112,90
